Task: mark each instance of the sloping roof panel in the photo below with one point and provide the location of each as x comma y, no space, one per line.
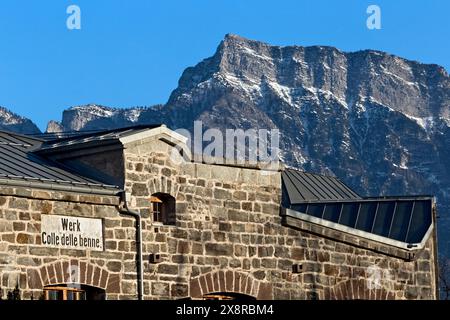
301,186
401,221
19,162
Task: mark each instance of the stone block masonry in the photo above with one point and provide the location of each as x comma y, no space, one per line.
228,220
25,261
228,237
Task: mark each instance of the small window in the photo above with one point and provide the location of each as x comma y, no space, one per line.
227,296
163,208
80,292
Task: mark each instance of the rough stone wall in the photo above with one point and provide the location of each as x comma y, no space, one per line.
229,237
28,264
229,228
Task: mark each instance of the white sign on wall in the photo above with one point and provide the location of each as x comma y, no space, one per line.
72,232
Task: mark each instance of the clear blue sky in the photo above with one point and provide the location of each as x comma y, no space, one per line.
131,53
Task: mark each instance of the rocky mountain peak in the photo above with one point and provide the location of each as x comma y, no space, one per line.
94,117
379,122
54,127
395,83
10,121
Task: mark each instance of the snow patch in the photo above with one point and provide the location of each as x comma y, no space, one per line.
300,62
248,85
427,123
255,54
133,115
282,91
446,121
403,163
393,75
373,100
325,66
8,117
96,110
328,94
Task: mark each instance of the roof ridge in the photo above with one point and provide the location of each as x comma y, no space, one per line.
21,135
305,186
311,173
92,133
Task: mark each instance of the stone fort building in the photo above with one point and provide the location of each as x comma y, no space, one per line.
126,214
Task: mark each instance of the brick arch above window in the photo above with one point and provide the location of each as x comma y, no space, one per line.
230,281
163,185
356,289
73,271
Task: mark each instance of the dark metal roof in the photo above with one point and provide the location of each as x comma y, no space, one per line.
18,162
404,220
24,159
325,200
27,142
66,139
301,186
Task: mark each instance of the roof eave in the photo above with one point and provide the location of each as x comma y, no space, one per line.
77,147
54,186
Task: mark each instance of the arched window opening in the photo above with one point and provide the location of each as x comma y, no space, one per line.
73,292
163,208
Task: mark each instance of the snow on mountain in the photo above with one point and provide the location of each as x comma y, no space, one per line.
93,117
10,121
379,122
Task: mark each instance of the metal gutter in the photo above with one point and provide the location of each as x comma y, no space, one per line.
435,253
139,263
364,200
53,185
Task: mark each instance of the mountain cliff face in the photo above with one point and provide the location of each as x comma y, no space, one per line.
10,121
93,117
379,122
